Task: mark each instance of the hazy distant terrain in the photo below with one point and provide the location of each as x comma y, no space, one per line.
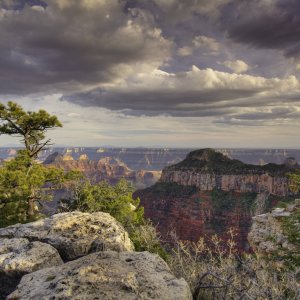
155,159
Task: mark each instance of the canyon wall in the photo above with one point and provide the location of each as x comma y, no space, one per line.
106,168
209,193
255,183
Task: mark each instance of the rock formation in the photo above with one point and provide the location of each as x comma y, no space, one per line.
18,256
274,235
105,275
209,193
74,234
81,256
106,168
207,169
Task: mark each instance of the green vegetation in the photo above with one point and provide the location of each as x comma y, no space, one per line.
295,180
117,201
291,228
172,189
23,181
224,201
22,186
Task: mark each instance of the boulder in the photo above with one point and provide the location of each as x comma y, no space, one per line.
18,256
105,275
74,234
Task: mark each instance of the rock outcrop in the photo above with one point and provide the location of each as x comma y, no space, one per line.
74,234
273,235
18,256
81,256
105,275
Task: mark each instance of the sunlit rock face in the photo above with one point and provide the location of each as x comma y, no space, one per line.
106,275
106,168
19,256
207,169
81,256
239,183
209,193
74,234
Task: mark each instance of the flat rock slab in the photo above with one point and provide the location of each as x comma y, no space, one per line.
74,234
105,275
18,256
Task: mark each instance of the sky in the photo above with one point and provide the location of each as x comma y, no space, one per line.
170,73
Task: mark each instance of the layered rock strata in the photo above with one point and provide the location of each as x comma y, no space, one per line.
254,183
209,193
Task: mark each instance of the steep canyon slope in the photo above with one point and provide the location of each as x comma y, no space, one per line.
209,193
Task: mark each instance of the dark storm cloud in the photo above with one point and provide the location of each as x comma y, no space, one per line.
266,24
20,4
179,103
104,53
67,44
176,103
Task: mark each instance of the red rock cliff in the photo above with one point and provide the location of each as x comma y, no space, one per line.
209,193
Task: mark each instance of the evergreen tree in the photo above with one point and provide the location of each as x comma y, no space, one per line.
23,181
23,185
30,126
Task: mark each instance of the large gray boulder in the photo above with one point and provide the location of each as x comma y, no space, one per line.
74,234
18,256
105,275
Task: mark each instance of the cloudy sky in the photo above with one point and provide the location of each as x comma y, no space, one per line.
193,73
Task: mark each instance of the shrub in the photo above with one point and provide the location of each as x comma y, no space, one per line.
116,200
217,272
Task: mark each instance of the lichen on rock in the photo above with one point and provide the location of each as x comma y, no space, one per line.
105,275
275,235
74,234
18,256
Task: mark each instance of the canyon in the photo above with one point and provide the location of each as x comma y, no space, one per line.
208,193
106,168
155,159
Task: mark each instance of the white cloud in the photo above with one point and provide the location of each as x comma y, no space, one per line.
207,45
237,66
198,93
38,8
73,115
185,51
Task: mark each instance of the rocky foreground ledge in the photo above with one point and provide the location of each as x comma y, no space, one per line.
81,256
273,234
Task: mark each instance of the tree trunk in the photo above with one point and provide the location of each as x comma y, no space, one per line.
31,208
